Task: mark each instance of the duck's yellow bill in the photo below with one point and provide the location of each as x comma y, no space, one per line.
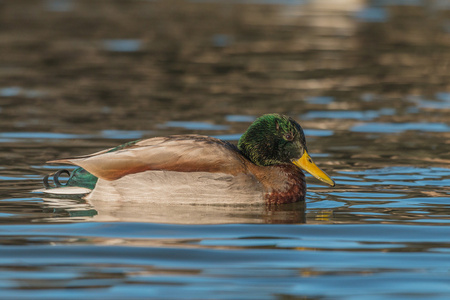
305,162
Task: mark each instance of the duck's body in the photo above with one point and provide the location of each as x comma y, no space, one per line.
201,169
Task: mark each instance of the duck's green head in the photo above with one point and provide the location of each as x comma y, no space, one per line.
275,139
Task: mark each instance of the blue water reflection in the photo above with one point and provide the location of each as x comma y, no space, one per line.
59,5
372,14
228,137
221,40
318,132
443,96
127,45
347,114
14,91
400,127
442,102
38,136
320,100
240,118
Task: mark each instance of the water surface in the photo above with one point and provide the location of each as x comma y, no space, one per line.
368,81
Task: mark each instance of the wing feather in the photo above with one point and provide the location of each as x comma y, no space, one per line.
176,153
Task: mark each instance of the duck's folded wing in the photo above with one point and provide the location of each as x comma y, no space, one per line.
177,153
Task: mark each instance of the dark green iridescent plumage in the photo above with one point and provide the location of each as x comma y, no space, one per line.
82,178
273,139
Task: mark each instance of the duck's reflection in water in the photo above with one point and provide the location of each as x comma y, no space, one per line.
117,211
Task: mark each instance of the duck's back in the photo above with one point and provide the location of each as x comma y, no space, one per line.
184,153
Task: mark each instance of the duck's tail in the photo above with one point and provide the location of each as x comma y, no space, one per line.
55,177
80,182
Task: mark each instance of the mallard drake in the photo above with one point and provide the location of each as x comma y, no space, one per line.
265,167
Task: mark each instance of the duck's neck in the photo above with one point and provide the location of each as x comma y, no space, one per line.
282,183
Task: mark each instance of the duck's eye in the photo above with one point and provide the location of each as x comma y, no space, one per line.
288,137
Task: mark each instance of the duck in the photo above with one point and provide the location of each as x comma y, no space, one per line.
265,167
